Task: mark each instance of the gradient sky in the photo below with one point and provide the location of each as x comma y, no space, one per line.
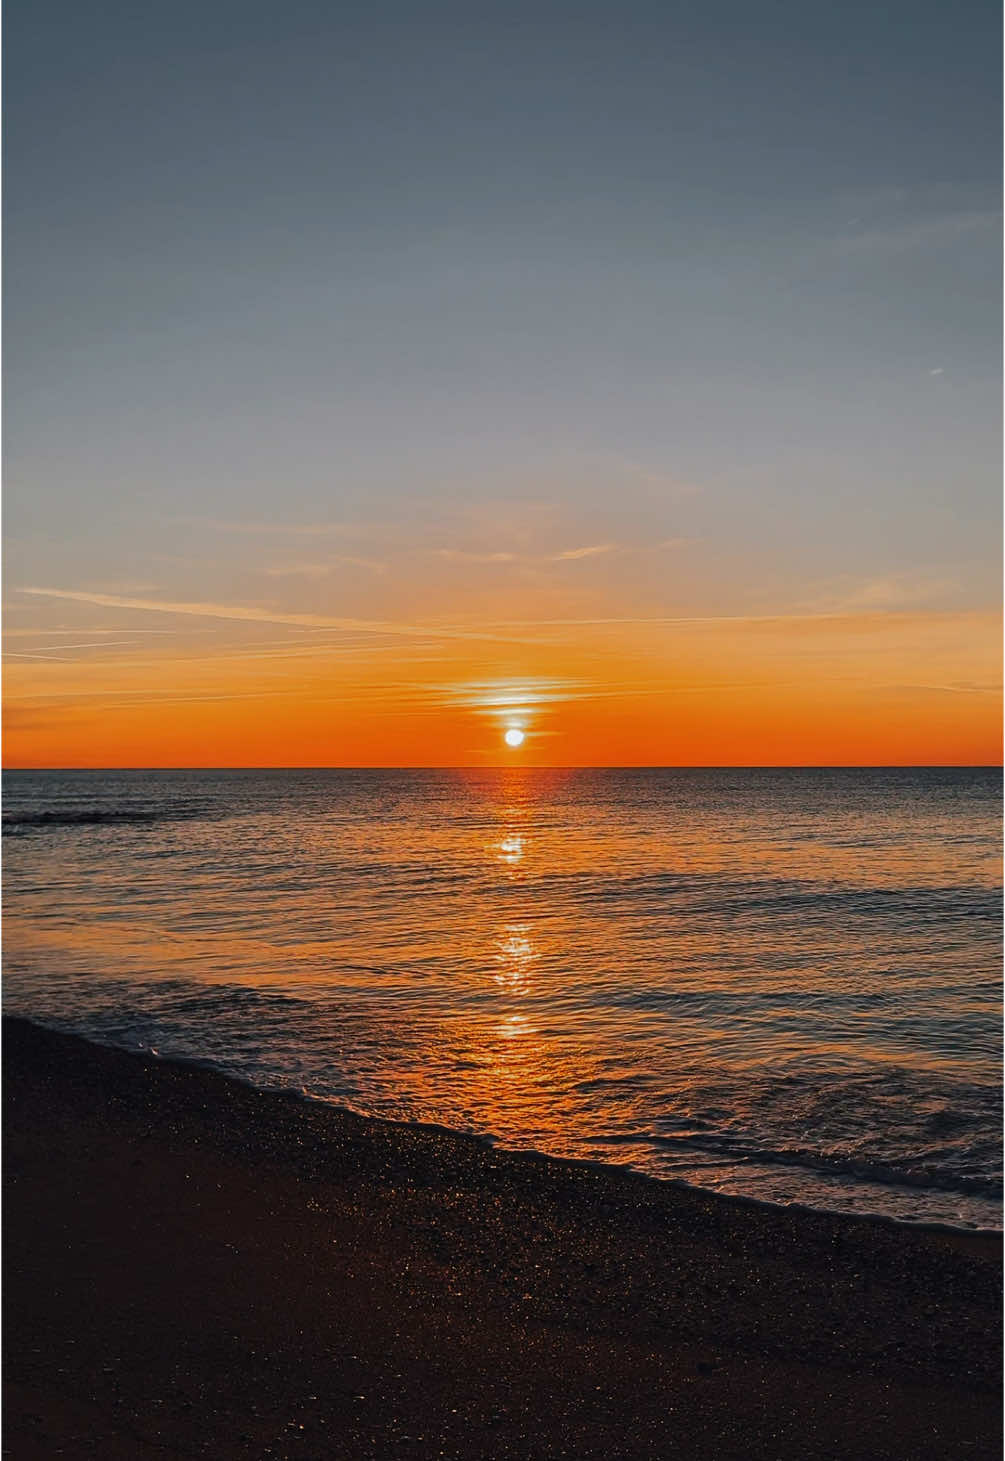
381,376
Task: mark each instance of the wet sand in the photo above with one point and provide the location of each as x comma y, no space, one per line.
196,1269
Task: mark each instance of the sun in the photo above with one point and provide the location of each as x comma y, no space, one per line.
514,736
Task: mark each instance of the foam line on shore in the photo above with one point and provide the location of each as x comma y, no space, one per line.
488,1142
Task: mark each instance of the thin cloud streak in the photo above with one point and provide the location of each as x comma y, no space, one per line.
900,236
76,629
458,555
894,592
593,551
45,650
54,659
323,570
834,616
241,613
566,555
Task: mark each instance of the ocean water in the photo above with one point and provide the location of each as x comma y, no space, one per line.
782,984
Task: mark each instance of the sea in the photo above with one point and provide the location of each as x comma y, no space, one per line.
780,984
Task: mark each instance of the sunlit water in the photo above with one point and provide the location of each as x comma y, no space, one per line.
777,983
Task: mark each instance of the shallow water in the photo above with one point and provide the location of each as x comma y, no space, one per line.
784,984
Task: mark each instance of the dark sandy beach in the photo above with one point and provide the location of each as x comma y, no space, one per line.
193,1268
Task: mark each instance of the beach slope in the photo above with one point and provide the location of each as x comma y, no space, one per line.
196,1269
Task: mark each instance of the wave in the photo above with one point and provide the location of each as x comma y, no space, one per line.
104,816
712,892
863,1169
235,999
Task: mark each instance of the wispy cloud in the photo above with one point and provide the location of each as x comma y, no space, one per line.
48,651
594,551
839,617
299,570
899,235
60,659
960,687
77,629
251,614
494,696
564,555
460,555
892,591
325,568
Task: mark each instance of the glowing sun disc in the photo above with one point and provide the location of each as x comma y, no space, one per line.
514,736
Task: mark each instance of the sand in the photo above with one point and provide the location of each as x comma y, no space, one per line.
194,1268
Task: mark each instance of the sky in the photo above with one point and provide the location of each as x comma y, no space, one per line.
382,377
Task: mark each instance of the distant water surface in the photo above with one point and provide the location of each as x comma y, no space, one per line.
784,984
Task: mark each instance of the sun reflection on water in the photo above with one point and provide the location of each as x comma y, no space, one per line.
515,1027
515,956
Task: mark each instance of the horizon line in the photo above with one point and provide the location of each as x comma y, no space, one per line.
581,766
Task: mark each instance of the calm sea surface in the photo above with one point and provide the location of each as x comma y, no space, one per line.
784,984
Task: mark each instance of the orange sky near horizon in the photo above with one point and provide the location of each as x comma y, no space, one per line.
863,688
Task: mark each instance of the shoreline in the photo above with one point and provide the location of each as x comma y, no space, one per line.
199,1264
491,1143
